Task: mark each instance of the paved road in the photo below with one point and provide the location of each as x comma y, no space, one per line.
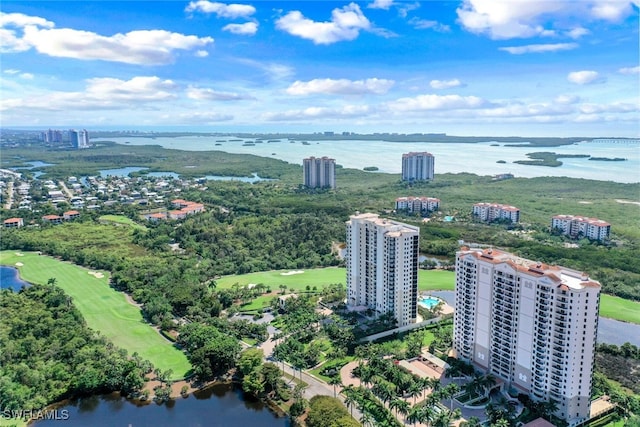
65,189
9,202
315,386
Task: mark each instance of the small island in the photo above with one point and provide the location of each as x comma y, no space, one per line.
501,161
609,159
550,159
370,168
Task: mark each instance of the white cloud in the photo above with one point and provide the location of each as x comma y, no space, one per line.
616,107
20,20
202,53
425,24
566,99
27,76
629,70
612,10
506,19
345,24
11,71
144,47
197,117
380,4
340,86
213,95
318,113
437,102
222,10
583,77
577,32
101,93
246,29
445,84
539,48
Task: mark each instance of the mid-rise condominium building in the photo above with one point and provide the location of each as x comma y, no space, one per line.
580,226
417,166
382,266
319,172
489,212
530,324
417,204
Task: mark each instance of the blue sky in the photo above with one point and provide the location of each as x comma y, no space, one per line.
468,67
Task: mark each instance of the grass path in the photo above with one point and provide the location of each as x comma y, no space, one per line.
103,308
428,280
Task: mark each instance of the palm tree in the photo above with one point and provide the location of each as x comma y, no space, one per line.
52,281
403,407
471,422
414,414
366,418
335,381
414,390
349,397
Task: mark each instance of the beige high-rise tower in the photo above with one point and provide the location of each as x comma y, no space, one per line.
530,324
382,266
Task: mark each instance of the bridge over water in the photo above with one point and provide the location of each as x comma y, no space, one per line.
616,140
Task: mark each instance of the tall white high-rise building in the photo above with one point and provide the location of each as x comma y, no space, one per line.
319,172
382,266
530,324
417,166
79,138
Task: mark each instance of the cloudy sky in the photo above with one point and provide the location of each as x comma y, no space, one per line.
469,67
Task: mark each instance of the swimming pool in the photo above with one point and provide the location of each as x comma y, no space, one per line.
429,302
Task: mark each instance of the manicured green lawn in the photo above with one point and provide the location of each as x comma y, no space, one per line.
257,304
103,308
428,280
121,219
436,280
314,277
619,309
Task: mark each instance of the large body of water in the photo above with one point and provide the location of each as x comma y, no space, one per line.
479,158
217,406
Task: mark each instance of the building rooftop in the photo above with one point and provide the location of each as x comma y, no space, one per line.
562,276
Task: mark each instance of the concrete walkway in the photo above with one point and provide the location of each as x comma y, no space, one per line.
316,387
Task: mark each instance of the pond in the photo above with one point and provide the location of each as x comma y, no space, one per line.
251,179
34,164
122,172
10,279
220,405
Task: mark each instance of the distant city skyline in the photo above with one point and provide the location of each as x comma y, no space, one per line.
468,67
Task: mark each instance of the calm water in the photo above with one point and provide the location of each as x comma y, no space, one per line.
222,405
10,279
122,172
609,330
477,158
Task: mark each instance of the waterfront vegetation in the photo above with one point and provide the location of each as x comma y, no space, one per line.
49,353
104,309
188,275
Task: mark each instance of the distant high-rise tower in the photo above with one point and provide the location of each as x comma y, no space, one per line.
417,166
382,266
79,139
319,172
532,325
